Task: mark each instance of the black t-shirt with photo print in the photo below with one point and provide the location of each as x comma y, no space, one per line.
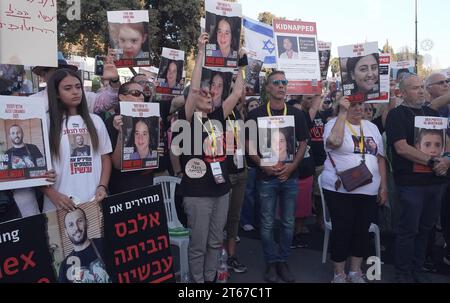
316,128
400,126
27,156
301,129
201,183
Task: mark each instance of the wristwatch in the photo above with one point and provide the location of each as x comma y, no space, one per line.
115,80
431,162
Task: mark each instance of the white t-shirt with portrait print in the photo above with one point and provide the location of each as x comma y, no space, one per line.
79,176
348,155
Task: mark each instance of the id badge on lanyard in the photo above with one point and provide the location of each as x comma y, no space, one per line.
217,172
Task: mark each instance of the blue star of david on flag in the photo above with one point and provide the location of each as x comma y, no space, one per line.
269,46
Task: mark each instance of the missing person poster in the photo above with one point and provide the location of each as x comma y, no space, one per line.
258,37
276,137
324,57
400,68
218,83
140,135
297,55
128,36
24,152
170,75
430,134
24,252
360,71
385,74
252,71
223,23
137,238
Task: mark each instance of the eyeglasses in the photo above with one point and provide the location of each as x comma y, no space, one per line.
280,82
134,93
327,102
442,82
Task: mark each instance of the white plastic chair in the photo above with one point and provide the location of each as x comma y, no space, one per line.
328,227
168,185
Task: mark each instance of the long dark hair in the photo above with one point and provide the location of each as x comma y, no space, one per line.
234,45
179,71
58,111
147,122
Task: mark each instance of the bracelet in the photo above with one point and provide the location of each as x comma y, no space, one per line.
101,185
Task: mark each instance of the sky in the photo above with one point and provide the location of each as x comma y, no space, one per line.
347,22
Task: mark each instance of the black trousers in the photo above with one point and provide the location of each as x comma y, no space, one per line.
351,216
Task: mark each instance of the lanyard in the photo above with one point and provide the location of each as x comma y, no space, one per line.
211,135
269,112
234,127
361,142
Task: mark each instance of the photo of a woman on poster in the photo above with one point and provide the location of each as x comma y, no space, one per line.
218,83
141,140
224,37
171,73
281,143
362,74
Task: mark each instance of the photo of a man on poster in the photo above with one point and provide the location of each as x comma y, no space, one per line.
22,155
85,263
287,47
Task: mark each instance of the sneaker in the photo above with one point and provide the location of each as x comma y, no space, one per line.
421,277
356,277
284,272
298,242
235,265
248,227
271,273
340,278
238,239
446,259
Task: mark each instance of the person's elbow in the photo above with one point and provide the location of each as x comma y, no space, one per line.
401,147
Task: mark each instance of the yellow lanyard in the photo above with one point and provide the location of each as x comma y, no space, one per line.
361,142
234,127
212,135
269,112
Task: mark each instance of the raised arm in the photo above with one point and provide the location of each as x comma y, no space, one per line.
336,137
229,104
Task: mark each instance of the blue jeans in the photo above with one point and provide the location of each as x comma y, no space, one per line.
419,208
270,192
250,208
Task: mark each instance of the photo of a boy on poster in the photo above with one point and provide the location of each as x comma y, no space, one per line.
128,36
430,138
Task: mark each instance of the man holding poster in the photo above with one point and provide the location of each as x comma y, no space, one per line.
419,167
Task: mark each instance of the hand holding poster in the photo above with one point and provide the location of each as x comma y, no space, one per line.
360,71
276,136
324,57
170,72
140,135
297,55
28,33
223,23
25,154
128,36
430,135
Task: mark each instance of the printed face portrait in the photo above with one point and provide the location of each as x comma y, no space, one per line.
70,91
224,36
430,142
79,140
372,147
216,89
16,135
141,136
252,105
287,44
76,226
131,40
279,145
365,73
368,112
172,71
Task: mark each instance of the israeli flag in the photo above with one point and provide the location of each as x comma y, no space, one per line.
259,38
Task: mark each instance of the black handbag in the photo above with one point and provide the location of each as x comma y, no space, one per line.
354,177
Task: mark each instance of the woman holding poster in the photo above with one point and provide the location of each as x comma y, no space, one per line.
79,177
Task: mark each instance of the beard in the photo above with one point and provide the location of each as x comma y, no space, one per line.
78,242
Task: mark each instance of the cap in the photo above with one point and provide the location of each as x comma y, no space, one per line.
62,63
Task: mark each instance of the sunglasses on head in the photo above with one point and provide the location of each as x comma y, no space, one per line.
280,82
134,93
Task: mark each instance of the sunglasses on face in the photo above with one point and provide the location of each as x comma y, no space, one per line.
134,93
280,82
442,82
